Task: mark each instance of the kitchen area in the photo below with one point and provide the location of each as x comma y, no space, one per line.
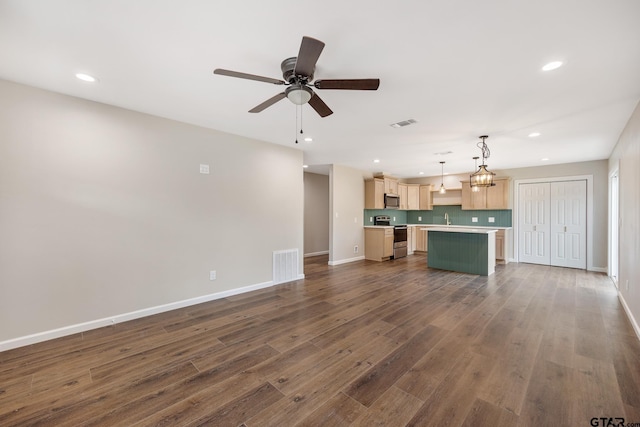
464,230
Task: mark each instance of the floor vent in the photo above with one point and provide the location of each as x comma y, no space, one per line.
285,266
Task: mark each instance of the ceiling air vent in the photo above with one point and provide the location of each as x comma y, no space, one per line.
403,123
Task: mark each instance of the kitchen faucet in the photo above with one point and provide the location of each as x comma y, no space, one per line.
446,218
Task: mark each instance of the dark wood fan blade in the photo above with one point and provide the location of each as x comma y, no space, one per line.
310,50
348,84
319,105
247,76
268,103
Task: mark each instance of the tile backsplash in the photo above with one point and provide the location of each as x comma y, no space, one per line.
502,217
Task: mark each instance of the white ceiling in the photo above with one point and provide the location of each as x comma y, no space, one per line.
460,68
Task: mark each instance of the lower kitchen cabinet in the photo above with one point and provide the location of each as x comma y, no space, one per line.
378,243
420,239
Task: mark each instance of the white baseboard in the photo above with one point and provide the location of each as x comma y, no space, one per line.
632,319
598,269
119,318
316,253
345,261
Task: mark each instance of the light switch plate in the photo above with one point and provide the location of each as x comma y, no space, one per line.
204,169
492,219
474,219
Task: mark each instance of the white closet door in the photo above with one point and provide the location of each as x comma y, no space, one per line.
533,208
569,224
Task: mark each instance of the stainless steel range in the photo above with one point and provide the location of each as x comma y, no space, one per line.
399,235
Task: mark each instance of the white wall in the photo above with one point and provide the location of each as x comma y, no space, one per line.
316,214
626,154
103,211
347,204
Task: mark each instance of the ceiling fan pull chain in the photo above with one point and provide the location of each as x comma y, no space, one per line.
296,131
300,106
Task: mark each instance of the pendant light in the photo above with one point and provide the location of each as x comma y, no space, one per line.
442,189
483,177
475,188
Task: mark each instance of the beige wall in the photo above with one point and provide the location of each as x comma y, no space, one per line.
103,211
597,168
347,204
316,213
627,155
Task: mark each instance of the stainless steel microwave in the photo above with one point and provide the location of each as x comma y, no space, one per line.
391,201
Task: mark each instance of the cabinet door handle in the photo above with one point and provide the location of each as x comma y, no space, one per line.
535,228
565,228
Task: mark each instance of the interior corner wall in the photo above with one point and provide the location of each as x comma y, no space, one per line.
347,207
103,211
626,155
316,214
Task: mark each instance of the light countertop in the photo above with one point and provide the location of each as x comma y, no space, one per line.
479,230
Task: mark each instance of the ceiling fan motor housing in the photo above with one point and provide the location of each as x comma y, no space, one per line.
287,67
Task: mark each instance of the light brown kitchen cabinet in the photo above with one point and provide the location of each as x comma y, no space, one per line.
421,239
374,193
390,185
413,197
402,192
500,246
425,197
496,197
378,243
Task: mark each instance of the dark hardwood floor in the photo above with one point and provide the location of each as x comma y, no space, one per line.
364,344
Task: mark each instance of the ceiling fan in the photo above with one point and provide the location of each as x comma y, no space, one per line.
298,77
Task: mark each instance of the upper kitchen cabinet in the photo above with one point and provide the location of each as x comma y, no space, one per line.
413,197
374,190
425,201
402,192
496,197
390,185
409,196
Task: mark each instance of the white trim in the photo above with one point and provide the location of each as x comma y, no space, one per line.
632,319
345,261
516,195
316,253
598,269
614,172
119,318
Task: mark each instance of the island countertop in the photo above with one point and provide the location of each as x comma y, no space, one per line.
461,230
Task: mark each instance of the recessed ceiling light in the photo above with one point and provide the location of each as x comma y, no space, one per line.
420,173
308,139
376,161
544,159
552,66
534,134
86,77
305,166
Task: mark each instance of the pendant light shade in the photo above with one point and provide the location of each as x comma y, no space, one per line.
442,189
475,188
483,177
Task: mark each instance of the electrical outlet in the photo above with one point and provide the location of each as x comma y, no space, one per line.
212,275
204,169
420,218
394,219
370,219
492,219
474,219
355,249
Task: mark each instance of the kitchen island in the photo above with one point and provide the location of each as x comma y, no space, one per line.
466,250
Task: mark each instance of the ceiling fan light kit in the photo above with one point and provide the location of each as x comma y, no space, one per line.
297,73
482,177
